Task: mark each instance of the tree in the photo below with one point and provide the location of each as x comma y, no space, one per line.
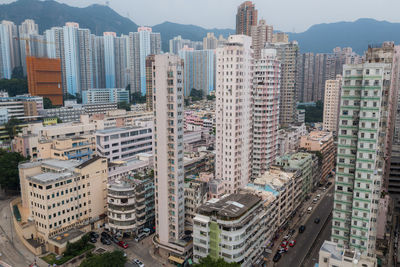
138,98
210,97
196,95
47,103
124,105
9,178
14,86
220,262
108,259
313,114
12,127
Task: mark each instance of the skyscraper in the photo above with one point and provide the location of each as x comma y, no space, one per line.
141,44
109,58
331,104
305,81
5,54
199,70
98,65
266,87
168,147
71,58
287,54
234,112
261,34
246,17
85,59
210,41
26,28
149,81
14,43
364,133
177,43
121,61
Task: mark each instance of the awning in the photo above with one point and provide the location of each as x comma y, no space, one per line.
176,259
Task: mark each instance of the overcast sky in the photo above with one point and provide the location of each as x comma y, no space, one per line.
285,15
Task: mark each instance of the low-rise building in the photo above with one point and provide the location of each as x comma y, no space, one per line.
105,95
331,255
289,138
196,194
123,169
322,143
125,143
303,162
79,148
232,228
130,204
57,196
196,162
23,107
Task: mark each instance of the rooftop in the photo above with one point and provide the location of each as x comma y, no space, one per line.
67,236
49,177
231,206
117,130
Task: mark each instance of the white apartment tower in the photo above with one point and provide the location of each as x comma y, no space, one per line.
168,148
234,112
364,120
331,104
266,82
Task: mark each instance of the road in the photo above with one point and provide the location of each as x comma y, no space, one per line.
304,242
12,250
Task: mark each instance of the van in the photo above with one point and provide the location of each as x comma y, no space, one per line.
315,200
318,196
309,209
140,237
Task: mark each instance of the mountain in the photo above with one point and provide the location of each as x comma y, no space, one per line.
97,18
322,38
169,30
50,13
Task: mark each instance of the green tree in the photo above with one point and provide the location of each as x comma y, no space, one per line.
12,127
14,86
47,103
138,98
210,262
196,95
108,259
313,114
9,178
210,97
124,105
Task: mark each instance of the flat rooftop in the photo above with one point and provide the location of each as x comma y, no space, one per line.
231,206
49,177
67,236
118,130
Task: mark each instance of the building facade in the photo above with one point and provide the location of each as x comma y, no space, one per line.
246,17
331,104
105,95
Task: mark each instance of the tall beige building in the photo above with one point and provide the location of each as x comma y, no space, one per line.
234,112
60,195
210,41
168,109
331,104
261,34
287,54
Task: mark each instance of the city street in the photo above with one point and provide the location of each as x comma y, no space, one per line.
304,242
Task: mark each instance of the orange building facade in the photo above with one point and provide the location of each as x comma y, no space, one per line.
44,78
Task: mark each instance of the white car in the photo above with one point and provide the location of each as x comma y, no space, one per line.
138,263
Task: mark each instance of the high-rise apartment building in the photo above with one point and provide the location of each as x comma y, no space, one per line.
44,78
261,34
210,41
177,43
71,57
109,58
27,28
331,104
246,17
149,81
199,70
121,47
98,64
305,81
234,111
362,154
141,44
266,82
287,53
14,43
5,53
168,151
85,59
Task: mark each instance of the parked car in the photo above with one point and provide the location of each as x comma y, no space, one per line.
122,244
93,235
286,237
315,200
317,220
302,228
140,237
138,263
292,232
292,243
283,250
329,183
93,240
105,241
318,196
114,239
106,235
277,257
309,209
146,231
284,244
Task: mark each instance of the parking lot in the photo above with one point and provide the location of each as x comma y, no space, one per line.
135,250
